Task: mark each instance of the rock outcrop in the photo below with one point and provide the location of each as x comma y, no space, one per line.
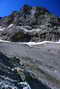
30,24
14,76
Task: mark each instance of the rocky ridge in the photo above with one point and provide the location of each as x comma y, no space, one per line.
30,24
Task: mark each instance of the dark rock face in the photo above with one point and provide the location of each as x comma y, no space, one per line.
30,24
11,75
8,78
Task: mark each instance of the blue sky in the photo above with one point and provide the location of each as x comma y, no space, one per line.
7,6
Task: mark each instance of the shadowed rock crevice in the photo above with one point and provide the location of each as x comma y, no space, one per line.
20,36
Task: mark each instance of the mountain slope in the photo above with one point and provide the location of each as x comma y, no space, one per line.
30,24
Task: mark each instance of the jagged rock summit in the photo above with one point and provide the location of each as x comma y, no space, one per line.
30,24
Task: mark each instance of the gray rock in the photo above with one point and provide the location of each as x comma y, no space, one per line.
42,62
27,21
14,76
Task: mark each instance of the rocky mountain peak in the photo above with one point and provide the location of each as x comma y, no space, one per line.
30,24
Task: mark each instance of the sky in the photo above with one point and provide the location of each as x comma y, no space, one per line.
7,6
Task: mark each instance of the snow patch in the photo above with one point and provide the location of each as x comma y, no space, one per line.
33,43
25,85
2,28
39,43
4,41
10,25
